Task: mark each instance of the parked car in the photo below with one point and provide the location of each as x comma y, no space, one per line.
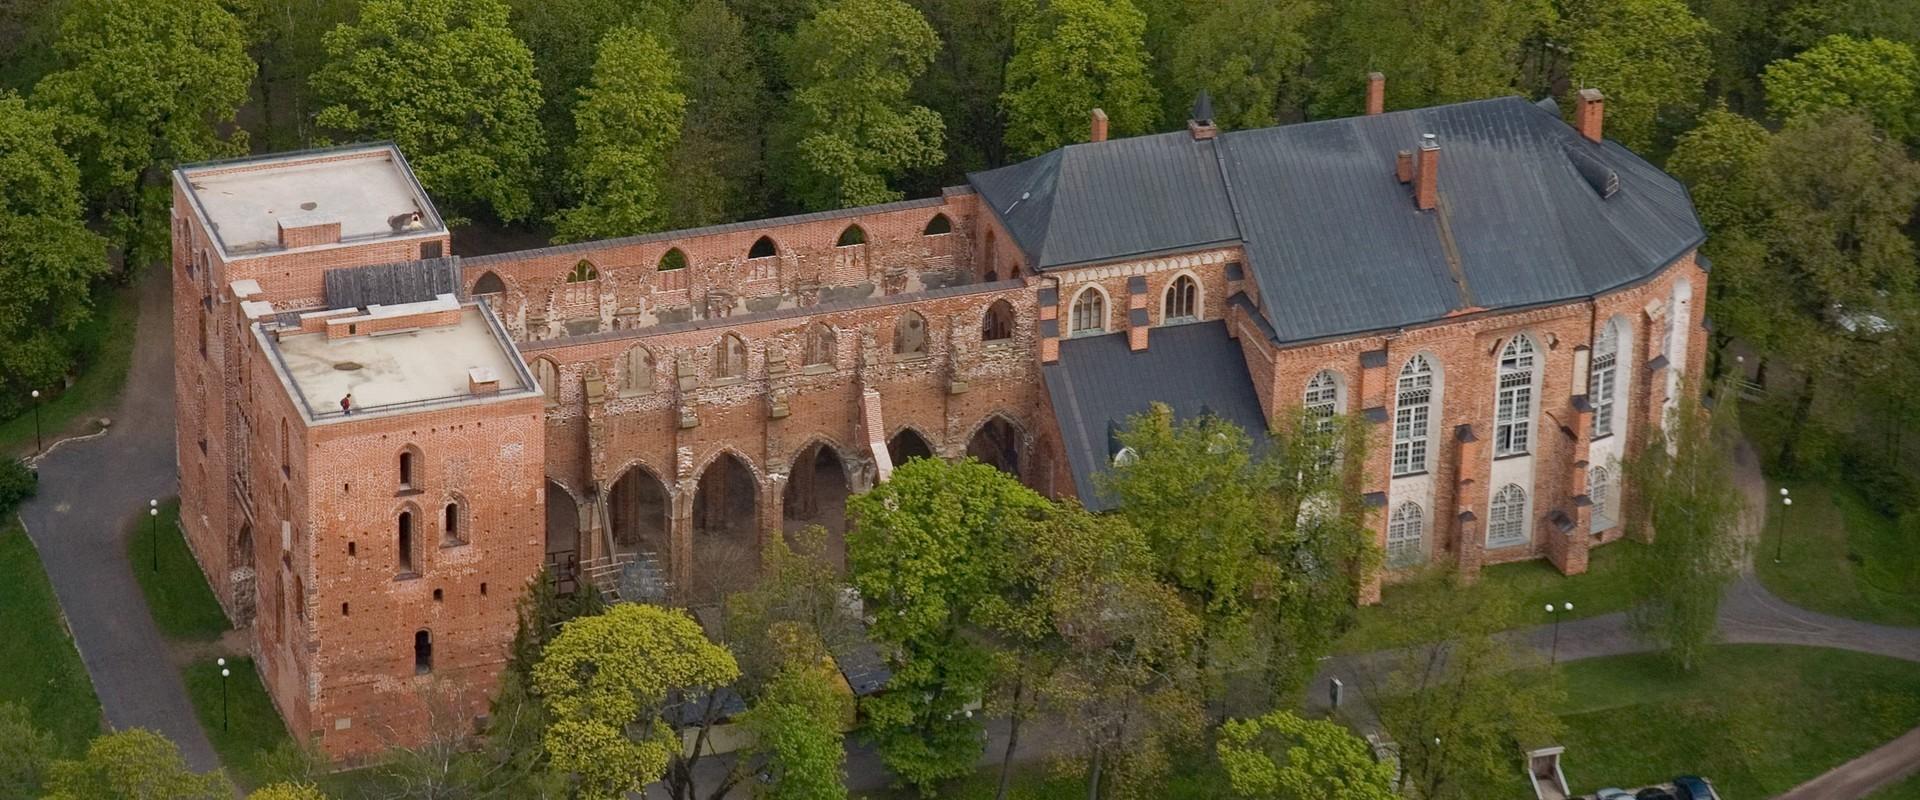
1612,793
1690,787
1654,793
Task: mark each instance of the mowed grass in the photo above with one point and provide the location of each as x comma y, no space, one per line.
39,667
106,345
1838,555
1756,719
249,730
1193,776
1523,588
177,593
1908,789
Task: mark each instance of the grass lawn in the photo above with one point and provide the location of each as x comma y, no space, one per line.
1527,585
39,667
1195,776
252,729
1839,555
109,339
1757,720
177,594
1908,789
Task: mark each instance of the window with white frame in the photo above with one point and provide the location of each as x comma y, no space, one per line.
1513,414
1089,313
1412,411
1600,492
1323,396
1606,354
1182,301
1507,519
1404,532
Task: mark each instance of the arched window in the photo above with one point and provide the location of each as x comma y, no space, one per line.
1412,412
489,283
910,334
1507,519
1513,412
730,357
1089,313
403,552
763,247
422,652
636,370
673,259
820,346
583,272
851,236
286,451
548,375
938,225
1322,399
1404,532
406,468
1600,492
998,324
1182,302
1600,384
450,529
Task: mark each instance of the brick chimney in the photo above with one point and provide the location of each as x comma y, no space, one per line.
1376,93
1426,184
1201,124
1403,166
1590,112
1098,132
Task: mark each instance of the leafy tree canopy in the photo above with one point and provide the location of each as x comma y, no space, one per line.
1070,57
1251,56
1875,77
1650,57
134,764
1431,52
25,752
1282,756
288,791
628,122
717,170
449,82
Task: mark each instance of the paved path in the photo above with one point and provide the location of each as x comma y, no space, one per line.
89,490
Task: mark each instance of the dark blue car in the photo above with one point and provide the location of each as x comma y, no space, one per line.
1689,787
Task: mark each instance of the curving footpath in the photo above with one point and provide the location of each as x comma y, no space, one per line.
1749,615
89,490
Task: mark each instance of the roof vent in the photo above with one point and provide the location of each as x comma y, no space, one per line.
1604,180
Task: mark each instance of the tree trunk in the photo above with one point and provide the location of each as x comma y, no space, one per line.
1013,742
1093,776
1802,408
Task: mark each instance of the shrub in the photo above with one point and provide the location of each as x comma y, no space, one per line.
17,483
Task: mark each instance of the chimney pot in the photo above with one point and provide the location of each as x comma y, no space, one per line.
1426,187
1590,112
1376,93
1403,166
1098,132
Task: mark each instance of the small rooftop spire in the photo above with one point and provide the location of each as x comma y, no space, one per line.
1203,108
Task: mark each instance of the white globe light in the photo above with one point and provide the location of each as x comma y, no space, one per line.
1788,501
36,394
1783,491
225,673
153,504
220,661
1569,607
1549,608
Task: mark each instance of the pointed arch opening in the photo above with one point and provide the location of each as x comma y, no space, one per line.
1089,313
730,357
910,334
1181,302
1604,494
1413,404
1507,517
998,443
816,494
726,530
997,324
1405,536
563,537
940,224
638,511
1514,401
672,260
763,247
852,235
908,444
547,374
422,652
636,370
404,542
583,272
820,346
489,283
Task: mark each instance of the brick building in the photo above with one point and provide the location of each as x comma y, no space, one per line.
1508,298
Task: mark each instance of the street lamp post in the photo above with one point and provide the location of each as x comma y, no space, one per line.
37,446
224,672
1557,613
1780,528
153,535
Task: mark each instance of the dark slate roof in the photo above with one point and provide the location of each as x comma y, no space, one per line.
1123,197
1334,241
1099,383
392,284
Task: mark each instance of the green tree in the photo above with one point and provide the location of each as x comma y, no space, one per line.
450,84
718,168
134,764
564,37
25,752
849,127
628,121
965,82
1432,51
284,39
1651,59
1070,57
1874,77
797,719
131,125
288,791
48,258
1251,56
1282,756
798,586
607,682
1689,507
1720,160
1463,704
928,548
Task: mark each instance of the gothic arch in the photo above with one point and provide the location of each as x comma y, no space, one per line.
726,527
999,441
562,534
819,481
489,282
908,442
764,247
639,514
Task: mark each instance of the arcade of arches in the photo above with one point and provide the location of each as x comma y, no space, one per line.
723,521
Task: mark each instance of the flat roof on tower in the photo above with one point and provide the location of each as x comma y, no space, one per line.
367,189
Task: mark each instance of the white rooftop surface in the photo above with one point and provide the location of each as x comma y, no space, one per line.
402,367
362,193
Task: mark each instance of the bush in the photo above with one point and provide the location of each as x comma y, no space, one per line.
17,483
1881,480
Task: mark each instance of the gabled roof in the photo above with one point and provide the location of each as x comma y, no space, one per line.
1099,383
1333,239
